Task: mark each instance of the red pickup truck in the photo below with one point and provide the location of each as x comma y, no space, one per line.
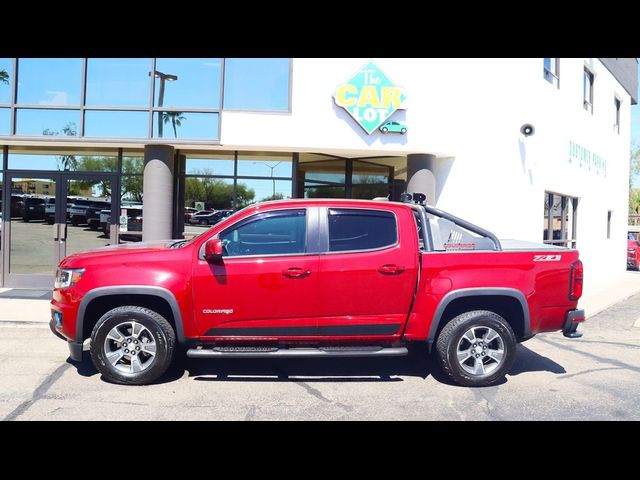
318,278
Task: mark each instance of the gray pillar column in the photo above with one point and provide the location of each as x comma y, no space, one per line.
158,192
420,177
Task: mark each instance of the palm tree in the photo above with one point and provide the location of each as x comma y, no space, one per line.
176,119
4,77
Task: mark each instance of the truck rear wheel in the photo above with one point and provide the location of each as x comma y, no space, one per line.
132,345
476,349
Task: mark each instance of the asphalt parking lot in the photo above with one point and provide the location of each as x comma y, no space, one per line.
596,377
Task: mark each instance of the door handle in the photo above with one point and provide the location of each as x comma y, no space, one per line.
390,269
296,272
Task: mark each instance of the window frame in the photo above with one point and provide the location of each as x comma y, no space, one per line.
590,76
573,219
324,228
617,105
309,232
552,77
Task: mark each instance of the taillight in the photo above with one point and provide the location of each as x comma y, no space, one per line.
576,280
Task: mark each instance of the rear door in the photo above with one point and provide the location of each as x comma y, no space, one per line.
368,271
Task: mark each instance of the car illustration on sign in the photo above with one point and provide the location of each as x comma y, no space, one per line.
395,127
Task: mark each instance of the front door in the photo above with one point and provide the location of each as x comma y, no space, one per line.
368,275
266,283
37,225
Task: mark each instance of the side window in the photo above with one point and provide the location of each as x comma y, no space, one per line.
269,233
356,229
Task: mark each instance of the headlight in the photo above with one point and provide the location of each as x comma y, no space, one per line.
68,277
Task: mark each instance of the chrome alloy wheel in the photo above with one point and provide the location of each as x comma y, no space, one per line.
480,350
130,347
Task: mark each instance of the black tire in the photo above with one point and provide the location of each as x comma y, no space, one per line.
156,324
403,131
451,335
384,130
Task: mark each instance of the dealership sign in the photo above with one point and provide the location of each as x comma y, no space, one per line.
370,97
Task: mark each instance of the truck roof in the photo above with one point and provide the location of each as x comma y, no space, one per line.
343,202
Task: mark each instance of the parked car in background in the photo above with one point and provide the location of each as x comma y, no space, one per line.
50,208
189,212
33,208
78,210
134,220
17,205
93,215
212,218
633,248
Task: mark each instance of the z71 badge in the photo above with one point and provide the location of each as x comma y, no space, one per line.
547,258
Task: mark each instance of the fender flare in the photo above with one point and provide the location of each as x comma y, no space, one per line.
159,292
480,292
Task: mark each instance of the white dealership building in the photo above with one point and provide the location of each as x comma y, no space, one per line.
535,149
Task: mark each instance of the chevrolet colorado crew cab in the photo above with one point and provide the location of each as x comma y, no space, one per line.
318,278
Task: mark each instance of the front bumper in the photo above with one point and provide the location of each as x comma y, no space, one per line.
570,327
75,349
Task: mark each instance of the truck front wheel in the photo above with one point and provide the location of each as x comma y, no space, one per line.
476,349
132,345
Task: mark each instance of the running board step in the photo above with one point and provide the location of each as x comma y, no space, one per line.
271,352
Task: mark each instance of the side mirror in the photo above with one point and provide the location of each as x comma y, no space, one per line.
213,250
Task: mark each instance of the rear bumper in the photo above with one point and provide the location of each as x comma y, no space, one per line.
570,327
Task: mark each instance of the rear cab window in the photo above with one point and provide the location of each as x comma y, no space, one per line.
355,229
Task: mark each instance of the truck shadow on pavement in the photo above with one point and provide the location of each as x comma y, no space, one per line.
417,364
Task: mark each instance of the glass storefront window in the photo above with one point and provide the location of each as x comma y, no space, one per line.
185,125
211,164
79,161
5,121
265,164
118,82
116,124
371,191
49,81
30,244
187,82
369,173
323,191
251,190
36,122
333,171
256,84
209,193
131,188
6,79
132,163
